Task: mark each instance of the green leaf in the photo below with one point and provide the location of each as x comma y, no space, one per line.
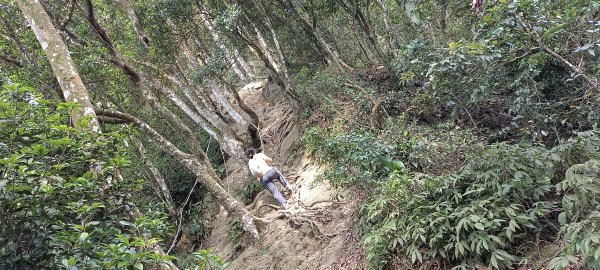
474,218
83,236
138,266
597,254
410,8
479,226
126,223
562,218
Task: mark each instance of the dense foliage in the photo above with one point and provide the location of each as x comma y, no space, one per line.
493,210
520,72
61,199
357,160
511,75
473,130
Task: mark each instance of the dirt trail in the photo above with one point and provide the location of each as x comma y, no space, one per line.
319,238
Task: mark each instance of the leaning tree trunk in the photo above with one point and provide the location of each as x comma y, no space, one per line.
137,27
159,180
364,25
62,65
279,53
215,36
313,30
226,101
199,168
384,13
210,122
262,52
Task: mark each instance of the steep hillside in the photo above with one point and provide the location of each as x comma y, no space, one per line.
316,232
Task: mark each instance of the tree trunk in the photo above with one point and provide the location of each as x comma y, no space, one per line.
62,65
386,22
265,56
159,180
253,119
315,32
279,53
443,18
240,59
219,42
208,173
230,204
186,133
227,106
137,27
228,100
117,59
206,119
364,25
210,122
10,35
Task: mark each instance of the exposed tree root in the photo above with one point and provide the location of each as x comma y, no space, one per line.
268,205
311,206
299,214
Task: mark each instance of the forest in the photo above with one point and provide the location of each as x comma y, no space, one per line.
415,134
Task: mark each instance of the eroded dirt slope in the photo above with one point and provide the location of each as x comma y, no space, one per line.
316,233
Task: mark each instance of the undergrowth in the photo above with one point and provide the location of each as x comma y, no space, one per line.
491,212
249,191
236,234
357,159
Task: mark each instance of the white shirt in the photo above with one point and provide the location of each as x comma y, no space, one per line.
258,164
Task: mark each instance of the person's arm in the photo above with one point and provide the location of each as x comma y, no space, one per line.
268,160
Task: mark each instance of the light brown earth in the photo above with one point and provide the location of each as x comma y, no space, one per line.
317,232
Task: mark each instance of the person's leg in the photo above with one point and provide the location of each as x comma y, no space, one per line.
282,179
268,184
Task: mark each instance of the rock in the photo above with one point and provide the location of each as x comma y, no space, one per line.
289,142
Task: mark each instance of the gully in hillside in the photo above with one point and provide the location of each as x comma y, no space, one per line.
260,167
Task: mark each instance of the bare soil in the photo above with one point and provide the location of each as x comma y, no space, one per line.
317,232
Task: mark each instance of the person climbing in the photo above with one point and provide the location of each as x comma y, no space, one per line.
260,167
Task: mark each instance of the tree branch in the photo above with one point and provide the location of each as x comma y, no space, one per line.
67,19
11,60
111,120
10,35
558,57
117,60
74,37
137,27
200,169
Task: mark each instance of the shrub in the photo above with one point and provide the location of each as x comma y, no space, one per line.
249,191
354,159
237,235
56,211
580,218
206,259
501,71
485,213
